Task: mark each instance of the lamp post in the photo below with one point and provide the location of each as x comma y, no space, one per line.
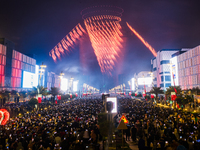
71,84
61,76
173,79
41,71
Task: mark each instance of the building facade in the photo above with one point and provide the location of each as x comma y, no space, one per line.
189,68
12,65
161,66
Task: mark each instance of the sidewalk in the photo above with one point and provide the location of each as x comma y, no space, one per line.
132,145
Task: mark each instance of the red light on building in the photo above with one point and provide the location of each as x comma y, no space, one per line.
70,95
152,96
56,101
135,94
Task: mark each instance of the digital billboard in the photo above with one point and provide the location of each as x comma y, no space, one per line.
114,101
133,84
174,71
29,80
64,84
145,81
75,86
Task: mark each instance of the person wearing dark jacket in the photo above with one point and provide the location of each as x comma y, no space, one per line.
133,133
141,143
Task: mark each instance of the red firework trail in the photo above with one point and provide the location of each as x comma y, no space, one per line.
143,41
105,36
68,41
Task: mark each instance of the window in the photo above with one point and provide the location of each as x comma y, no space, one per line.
167,84
155,79
161,85
167,78
154,69
164,62
162,78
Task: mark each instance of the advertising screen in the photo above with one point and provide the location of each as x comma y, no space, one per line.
114,101
75,86
29,80
133,84
145,81
64,84
174,71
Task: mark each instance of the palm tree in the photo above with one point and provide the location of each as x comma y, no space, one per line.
23,94
156,91
172,89
39,90
14,95
195,91
54,91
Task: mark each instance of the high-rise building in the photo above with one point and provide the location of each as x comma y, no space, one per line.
189,68
12,64
160,66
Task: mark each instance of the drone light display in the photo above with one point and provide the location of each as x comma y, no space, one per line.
103,27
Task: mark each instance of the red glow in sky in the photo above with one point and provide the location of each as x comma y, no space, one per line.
105,36
68,41
143,41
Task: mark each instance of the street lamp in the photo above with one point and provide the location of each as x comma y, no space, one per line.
71,83
173,80
41,70
61,76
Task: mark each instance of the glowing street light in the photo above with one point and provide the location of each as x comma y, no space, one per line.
41,70
61,76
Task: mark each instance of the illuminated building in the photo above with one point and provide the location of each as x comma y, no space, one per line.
189,68
142,82
13,63
161,69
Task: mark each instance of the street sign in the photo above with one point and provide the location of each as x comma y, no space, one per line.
124,119
122,126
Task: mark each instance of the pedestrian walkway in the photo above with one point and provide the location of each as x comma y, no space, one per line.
132,145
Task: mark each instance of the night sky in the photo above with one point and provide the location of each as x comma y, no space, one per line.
37,26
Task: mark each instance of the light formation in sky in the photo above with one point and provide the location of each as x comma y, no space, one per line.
104,31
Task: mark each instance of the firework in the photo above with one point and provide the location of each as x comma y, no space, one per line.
68,41
143,41
105,36
103,27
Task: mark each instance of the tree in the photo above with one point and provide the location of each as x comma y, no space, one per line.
195,91
184,100
33,102
54,91
23,94
39,90
14,95
156,91
171,89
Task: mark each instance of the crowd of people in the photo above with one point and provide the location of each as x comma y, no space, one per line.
161,128
74,125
